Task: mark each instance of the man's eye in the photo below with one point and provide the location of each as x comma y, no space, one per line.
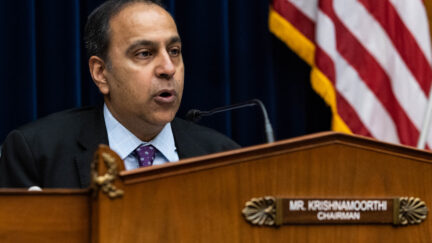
145,53
174,52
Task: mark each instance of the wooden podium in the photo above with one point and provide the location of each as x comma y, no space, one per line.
201,199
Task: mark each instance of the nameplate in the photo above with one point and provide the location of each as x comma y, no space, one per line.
273,211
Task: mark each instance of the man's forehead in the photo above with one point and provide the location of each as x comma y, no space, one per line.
142,14
143,21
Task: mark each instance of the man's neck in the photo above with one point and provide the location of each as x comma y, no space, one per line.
142,130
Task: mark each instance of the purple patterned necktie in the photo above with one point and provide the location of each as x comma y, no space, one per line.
145,155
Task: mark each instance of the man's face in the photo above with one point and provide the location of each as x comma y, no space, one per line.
145,73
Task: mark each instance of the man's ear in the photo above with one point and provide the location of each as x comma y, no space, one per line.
97,70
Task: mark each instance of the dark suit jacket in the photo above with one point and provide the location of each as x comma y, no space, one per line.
56,151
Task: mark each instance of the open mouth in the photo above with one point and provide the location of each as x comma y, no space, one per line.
166,96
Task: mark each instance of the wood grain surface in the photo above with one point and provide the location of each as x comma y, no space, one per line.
200,199
61,216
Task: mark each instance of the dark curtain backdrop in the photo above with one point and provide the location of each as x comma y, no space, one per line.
229,54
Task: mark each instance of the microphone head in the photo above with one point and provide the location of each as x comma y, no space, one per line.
193,115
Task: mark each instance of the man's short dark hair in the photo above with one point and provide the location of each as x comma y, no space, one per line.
97,28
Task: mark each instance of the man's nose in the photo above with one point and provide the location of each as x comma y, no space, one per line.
165,68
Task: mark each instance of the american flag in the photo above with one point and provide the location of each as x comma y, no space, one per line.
370,59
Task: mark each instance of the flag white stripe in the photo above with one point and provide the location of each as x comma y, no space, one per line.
308,8
352,88
364,27
413,14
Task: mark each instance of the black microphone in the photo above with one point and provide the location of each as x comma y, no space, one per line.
195,115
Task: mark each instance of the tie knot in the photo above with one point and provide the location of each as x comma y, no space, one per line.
145,155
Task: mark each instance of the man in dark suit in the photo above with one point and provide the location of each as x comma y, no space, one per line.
136,62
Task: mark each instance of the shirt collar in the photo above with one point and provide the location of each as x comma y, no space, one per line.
123,142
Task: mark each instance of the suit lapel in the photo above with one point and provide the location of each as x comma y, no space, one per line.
186,146
93,132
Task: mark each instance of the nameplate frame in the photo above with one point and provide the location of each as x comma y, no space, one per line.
272,211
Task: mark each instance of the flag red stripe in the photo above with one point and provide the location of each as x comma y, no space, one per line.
372,74
402,38
325,64
291,13
347,113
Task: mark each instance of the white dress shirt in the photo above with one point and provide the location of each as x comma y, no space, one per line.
123,142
